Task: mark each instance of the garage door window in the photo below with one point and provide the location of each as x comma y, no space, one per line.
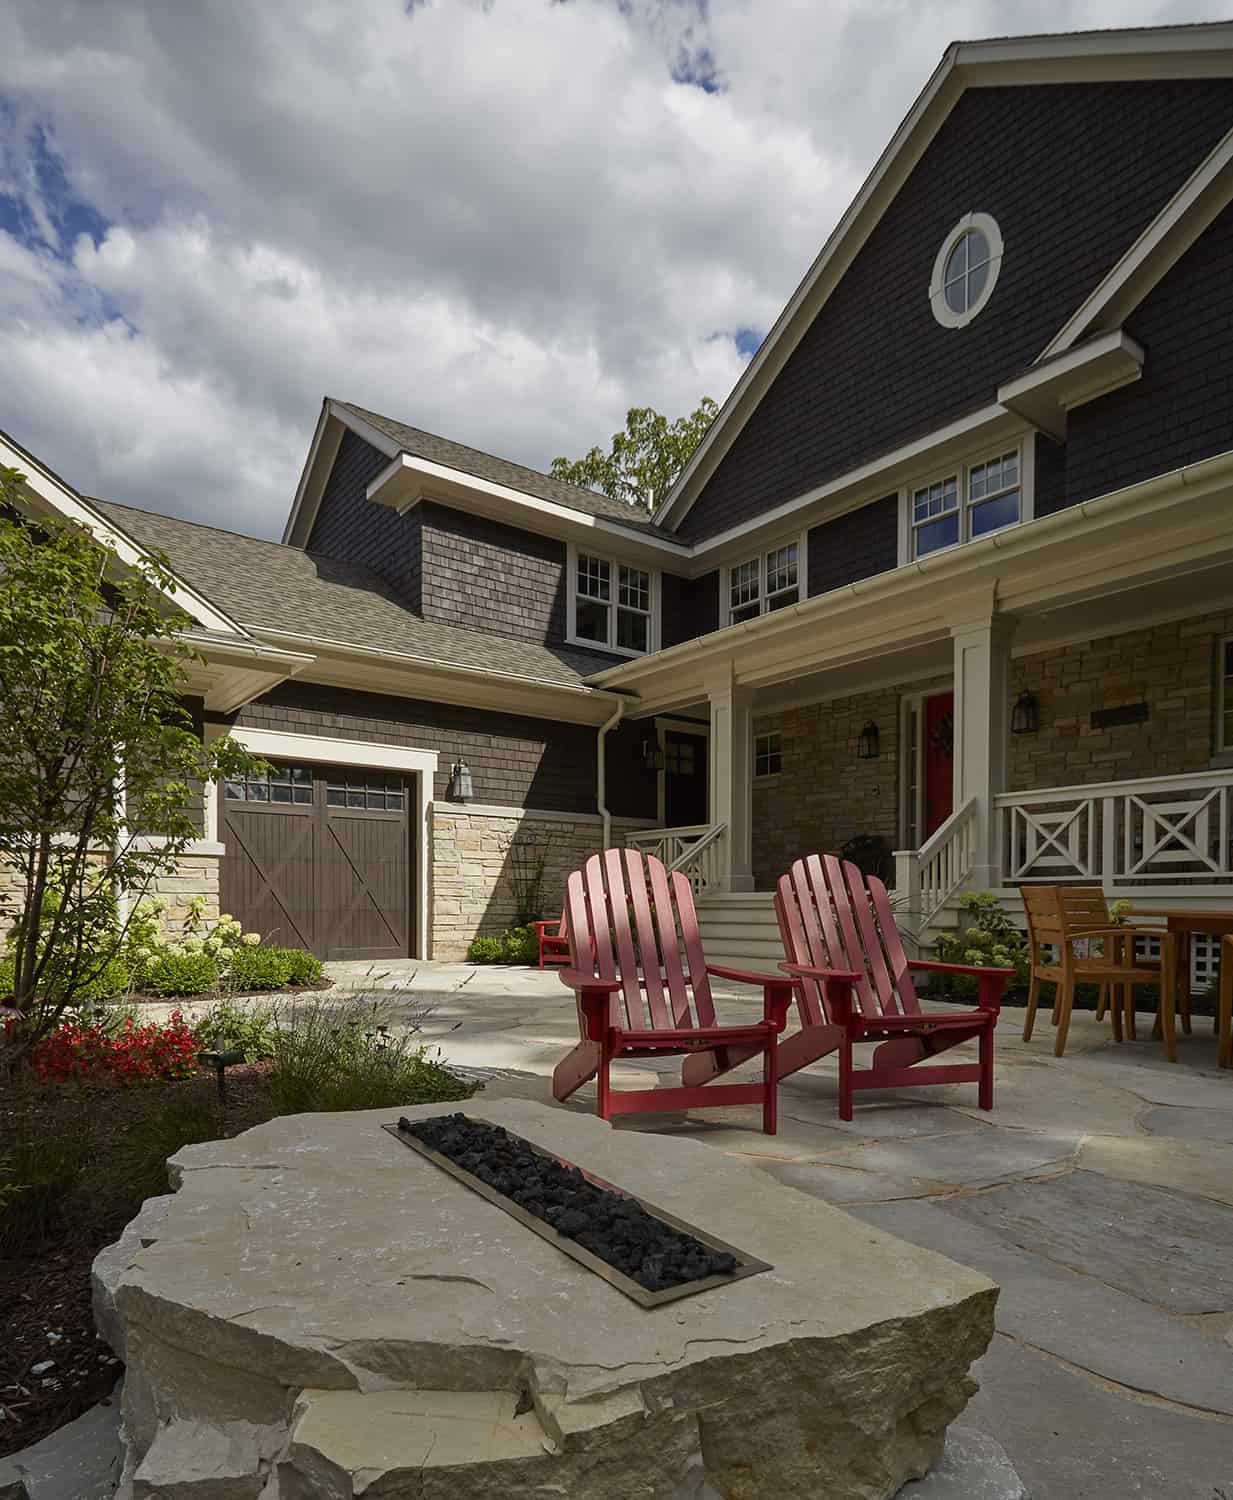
278,784
375,793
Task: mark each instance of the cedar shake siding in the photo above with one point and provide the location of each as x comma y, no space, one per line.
690,607
1181,408
515,760
856,545
1050,476
355,529
499,579
1071,172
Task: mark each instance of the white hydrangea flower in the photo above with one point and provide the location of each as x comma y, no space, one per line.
251,939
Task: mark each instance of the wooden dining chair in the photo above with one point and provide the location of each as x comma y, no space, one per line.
1061,916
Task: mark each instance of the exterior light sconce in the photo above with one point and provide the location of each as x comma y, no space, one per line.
652,756
1025,716
867,746
461,787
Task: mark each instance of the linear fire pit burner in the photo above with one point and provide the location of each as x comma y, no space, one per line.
564,1204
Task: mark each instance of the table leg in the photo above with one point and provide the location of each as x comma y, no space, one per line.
1168,992
1224,1010
1183,979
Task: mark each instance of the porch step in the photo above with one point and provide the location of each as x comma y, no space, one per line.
739,930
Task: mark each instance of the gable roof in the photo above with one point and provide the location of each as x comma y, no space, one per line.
1192,51
274,588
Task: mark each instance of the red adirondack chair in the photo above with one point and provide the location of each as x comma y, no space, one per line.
553,946
634,983
842,944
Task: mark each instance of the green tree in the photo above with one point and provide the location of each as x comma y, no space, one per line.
644,460
98,754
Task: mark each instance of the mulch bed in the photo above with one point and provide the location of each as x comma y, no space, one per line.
216,997
45,1310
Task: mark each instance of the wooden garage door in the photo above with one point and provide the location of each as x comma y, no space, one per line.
319,857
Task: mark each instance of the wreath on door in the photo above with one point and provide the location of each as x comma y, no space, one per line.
942,735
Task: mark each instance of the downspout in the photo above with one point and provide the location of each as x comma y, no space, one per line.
600,777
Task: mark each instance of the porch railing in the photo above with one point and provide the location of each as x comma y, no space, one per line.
697,851
1171,831
926,878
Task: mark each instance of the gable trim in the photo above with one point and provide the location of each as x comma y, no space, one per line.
1094,56
1207,191
49,490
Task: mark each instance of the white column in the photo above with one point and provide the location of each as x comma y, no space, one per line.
731,776
982,728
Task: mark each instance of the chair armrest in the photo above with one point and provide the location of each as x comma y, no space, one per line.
746,976
542,927
811,971
838,985
776,991
991,982
576,980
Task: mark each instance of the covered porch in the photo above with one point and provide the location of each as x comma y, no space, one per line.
1053,703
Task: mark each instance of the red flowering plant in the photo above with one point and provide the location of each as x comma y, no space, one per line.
130,1054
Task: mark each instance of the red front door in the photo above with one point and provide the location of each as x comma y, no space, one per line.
939,751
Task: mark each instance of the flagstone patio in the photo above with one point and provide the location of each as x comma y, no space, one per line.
1099,1194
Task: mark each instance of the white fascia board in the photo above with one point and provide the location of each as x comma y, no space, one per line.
45,489
234,673
343,664
408,479
1044,394
1165,240
916,590
1095,56
992,424
287,745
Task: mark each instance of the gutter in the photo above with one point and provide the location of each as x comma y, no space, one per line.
601,780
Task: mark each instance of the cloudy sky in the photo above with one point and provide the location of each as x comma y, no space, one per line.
502,220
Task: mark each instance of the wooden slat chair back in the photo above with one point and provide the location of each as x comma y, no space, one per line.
855,984
643,988
1060,917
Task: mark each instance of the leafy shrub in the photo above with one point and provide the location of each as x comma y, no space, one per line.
258,969
485,950
126,1055
247,1030
112,979
517,945
992,941
344,1056
174,972
305,967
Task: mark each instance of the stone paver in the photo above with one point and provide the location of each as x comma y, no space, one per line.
1098,1192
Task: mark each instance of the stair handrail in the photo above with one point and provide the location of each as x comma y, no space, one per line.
702,862
926,878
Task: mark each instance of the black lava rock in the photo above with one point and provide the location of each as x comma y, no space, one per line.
611,1226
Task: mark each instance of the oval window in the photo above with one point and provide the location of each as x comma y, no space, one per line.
966,270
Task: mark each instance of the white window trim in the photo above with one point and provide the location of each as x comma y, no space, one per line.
372,755
1026,445
942,311
801,538
615,563
1223,750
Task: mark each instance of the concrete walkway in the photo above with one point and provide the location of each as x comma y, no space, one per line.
1099,1194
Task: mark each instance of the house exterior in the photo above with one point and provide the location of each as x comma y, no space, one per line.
952,570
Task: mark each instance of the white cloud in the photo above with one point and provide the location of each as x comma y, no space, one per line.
505,222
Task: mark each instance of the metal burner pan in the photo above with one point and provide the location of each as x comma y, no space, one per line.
746,1265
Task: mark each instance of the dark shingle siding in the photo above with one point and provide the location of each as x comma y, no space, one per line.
690,607
1181,408
486,576
355,529
856,545
515,760
1050,477
1071,172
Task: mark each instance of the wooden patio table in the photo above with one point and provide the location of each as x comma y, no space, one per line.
1184,921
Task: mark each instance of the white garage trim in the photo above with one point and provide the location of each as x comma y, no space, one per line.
320,749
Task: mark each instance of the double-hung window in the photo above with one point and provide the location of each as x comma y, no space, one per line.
764,583
970,502
612,604
1225,725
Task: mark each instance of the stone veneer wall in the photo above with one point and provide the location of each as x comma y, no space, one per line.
824,795
470,894
195,875
1170,667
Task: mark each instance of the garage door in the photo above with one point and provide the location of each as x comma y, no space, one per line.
319,857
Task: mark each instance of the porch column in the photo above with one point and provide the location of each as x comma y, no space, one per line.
731,776
982,728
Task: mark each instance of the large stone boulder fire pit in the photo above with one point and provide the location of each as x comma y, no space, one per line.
324,1313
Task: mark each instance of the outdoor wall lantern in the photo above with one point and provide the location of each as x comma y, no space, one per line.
867,744
461,788
652,756
1025,716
